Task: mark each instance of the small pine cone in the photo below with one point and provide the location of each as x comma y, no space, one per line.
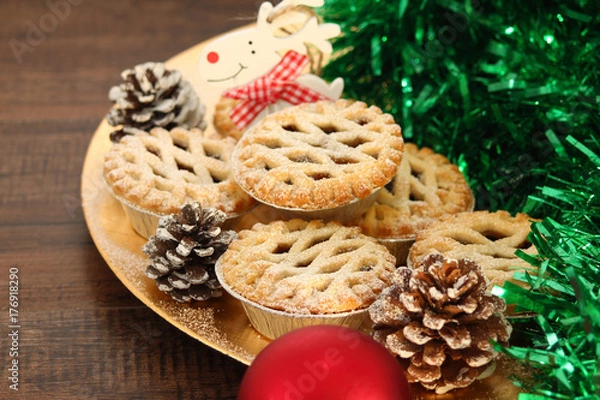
184,250
438,319
152,96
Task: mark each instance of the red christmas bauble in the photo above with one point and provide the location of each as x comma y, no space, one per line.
324,362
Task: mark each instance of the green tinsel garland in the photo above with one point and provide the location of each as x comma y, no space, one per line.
565,344
509,91
484,82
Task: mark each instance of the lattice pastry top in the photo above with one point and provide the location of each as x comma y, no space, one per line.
221,120
488,238
160,171
318,155
426,187
307,267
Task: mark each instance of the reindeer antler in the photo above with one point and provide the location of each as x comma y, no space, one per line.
310,31
294,4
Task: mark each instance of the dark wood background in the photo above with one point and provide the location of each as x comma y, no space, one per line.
82,335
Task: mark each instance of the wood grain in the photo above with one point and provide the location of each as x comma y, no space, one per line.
83,335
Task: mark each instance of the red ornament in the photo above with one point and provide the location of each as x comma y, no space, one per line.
324,362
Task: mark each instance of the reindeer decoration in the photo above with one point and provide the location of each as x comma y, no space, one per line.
258,57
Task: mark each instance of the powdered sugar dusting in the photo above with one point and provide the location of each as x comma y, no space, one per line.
202,320
217,322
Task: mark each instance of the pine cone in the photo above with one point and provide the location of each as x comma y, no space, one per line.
152,96
439,319
184,250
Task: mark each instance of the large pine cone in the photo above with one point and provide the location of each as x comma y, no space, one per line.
152,96
439,319
184,250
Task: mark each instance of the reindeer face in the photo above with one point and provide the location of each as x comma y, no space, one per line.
238,58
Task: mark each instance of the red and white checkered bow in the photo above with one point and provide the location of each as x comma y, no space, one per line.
277,84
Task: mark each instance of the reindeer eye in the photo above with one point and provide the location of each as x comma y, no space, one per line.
250,42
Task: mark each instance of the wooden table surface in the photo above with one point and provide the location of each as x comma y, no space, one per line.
79,333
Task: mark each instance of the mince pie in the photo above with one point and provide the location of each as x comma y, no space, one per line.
318,155
307,267
222,121
426,187
488,238
160,171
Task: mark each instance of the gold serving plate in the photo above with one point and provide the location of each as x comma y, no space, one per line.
220,323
